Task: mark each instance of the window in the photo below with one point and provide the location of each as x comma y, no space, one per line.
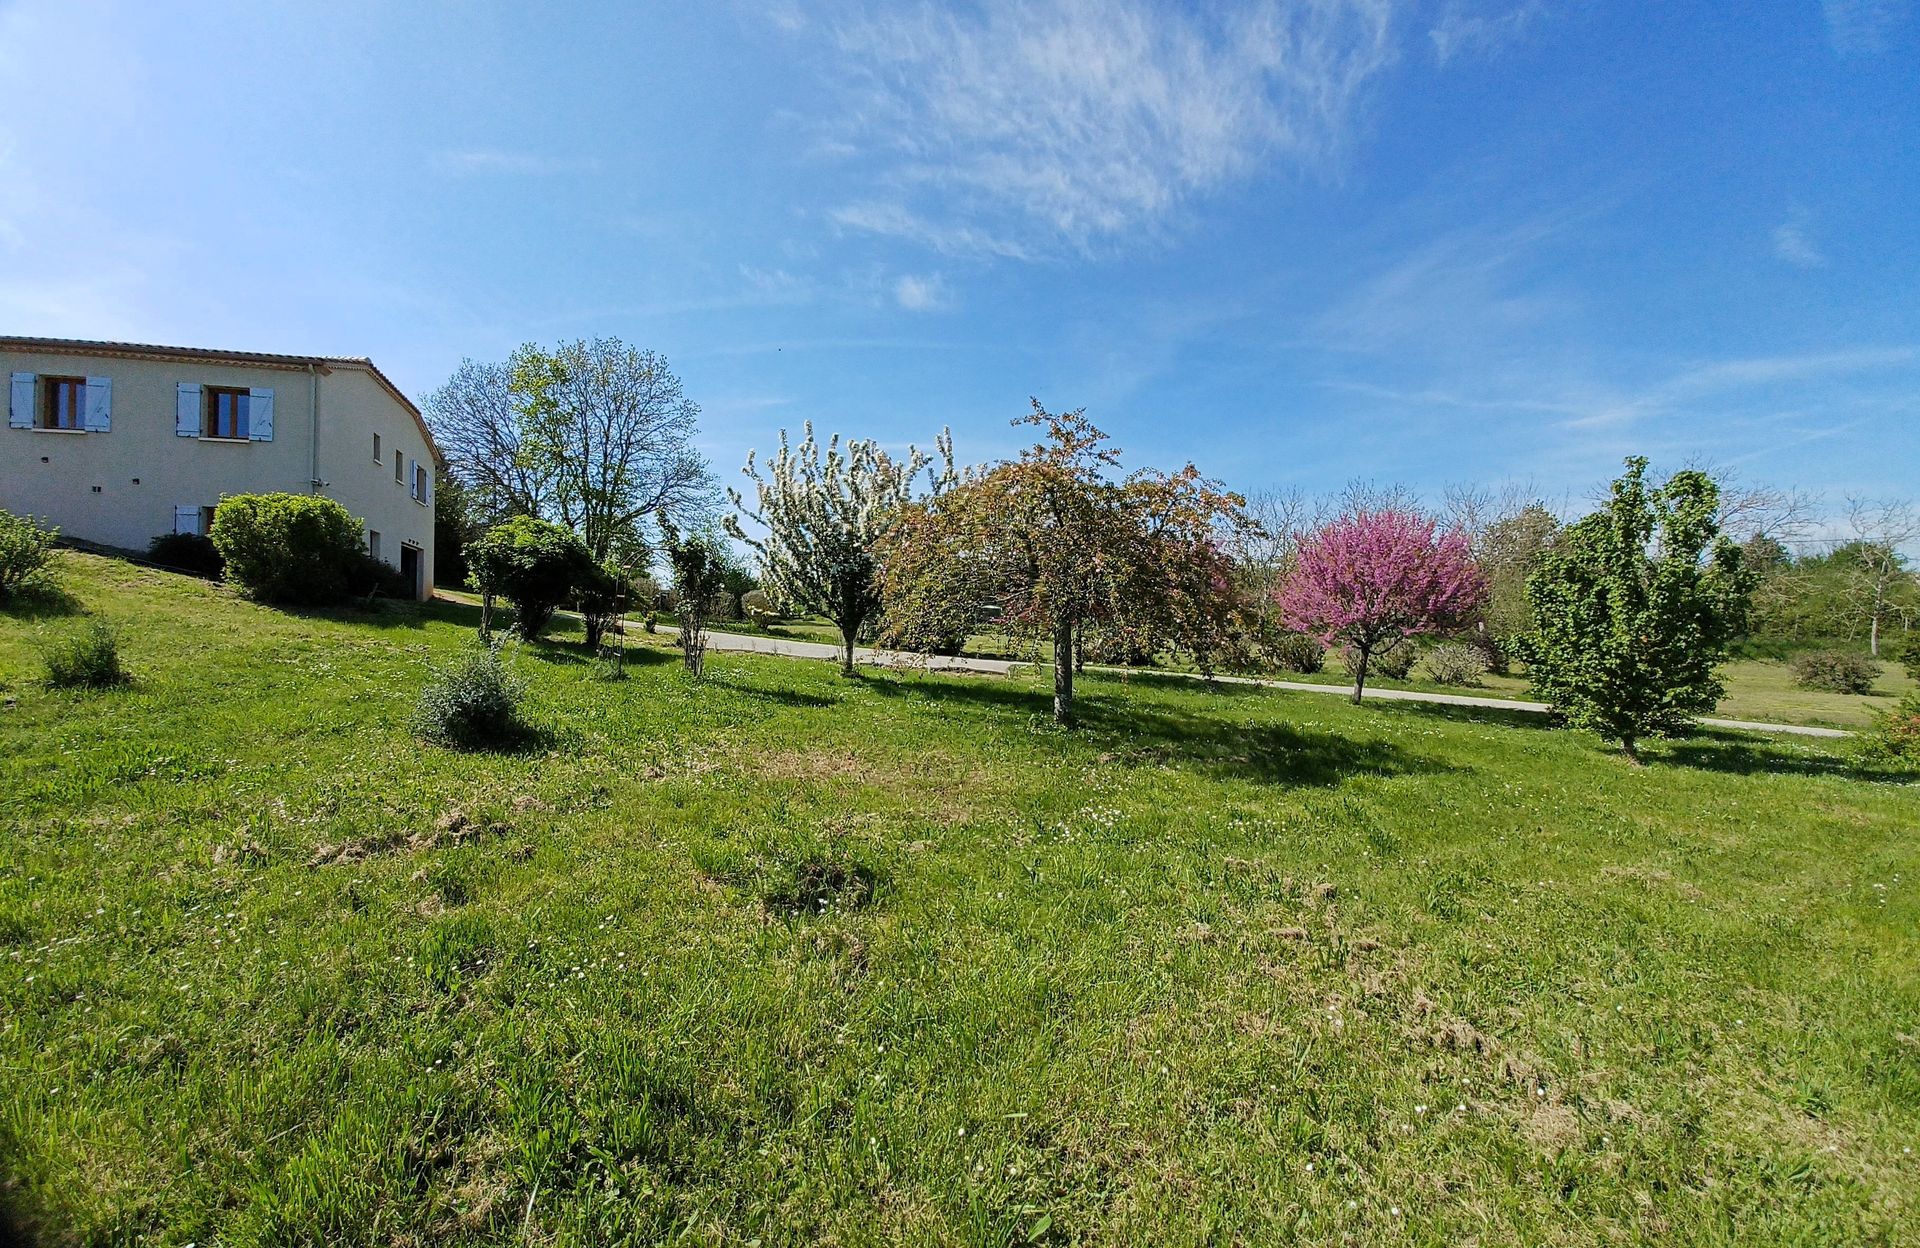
399,472
376,448
226,412
373,542
63,402
420,484
206,521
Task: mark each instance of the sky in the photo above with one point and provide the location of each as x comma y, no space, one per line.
1296,242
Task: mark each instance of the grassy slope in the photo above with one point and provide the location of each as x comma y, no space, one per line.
1096,996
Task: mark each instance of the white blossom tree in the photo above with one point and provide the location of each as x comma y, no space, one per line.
823,511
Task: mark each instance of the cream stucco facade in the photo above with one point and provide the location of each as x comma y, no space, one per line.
116,443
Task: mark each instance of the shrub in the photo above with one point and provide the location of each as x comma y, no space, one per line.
1835,671
1895,735
87,660
1455,663
26,550
1394,664
534,564
1909,656
759,607
187,552
472,703
601,597
290,548
1297,652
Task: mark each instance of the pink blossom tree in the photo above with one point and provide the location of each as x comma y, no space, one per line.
1372,579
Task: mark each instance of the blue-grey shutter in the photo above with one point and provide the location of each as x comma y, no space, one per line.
186,519
20,412
260,415
186,413
99,418
413,478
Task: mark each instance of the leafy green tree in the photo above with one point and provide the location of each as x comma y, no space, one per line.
699,565
454,525
534,564
1634,608
1509,550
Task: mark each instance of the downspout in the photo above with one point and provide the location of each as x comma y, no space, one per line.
313,407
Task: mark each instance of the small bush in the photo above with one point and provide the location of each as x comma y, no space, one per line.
1394,664
26,550
1909,656
1835,671
1297,652
601,595
1455,663
87,660
187,552
1895,735
292,548
534,564
759,607
472,703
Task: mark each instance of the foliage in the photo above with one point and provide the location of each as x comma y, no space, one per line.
187,552
609,432
1635,607
1895,735
1056,547
88,659
1909,655
824,515
534,564
298,549
1395,662
1374,579
472,702
1295,652
699,565
455,524
1455,663
1508,551
601,595
759,607
26,552
1836,671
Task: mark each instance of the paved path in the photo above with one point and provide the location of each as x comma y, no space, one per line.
748,643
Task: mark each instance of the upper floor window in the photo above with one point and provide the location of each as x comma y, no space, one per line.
63,402
399,470
226,412
376,448
420,483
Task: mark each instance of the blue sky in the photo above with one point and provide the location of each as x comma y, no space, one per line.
1297,243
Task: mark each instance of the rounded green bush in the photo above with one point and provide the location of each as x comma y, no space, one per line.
1835,671
290,548
86,660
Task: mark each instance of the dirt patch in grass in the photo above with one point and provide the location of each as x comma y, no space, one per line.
453,827
813,885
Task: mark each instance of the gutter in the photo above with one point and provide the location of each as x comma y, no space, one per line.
313,407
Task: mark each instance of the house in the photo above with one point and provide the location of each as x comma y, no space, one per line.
118,442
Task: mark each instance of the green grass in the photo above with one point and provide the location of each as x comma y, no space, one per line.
793,959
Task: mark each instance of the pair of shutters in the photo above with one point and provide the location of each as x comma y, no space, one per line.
187,413
416,482
96,408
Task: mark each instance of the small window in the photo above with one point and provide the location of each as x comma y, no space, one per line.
376,448
399,470
226,412
373,542
63,402
420,484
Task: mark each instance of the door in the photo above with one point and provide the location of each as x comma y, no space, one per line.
410,567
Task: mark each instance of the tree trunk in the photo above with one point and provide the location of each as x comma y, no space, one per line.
1630,746
1873,634
486,615
1360,673
847,634
1063,675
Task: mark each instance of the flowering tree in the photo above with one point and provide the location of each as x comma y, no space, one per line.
824,516
1372,579
1056,547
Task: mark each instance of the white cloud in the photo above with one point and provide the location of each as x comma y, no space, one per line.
1464,30
1791,244
1013,128
1863,27
920,294
485,162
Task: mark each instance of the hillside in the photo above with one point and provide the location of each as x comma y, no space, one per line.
787,958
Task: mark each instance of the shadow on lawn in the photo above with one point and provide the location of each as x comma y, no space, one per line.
40,602
1734,755
1116,728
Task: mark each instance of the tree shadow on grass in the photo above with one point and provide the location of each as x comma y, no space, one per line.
1537,720
1743,756
785,697
1115,728
40,601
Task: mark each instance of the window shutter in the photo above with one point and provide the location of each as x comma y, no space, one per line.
186,519
20,414
425,478
99,405
413,478
186,416
260,415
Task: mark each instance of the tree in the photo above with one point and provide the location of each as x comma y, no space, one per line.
608,428
824,516
601,594
1634,608
699,564
1054,546
534,564
479,427
1879,583
454,525
1373,579
1508,551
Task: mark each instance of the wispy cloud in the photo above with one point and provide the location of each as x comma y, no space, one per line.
1471,30
920,294
1792,244
493,162
1013,127
1863,27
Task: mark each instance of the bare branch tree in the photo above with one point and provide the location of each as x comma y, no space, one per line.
1880,583
476,423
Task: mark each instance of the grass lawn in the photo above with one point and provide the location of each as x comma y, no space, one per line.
794,959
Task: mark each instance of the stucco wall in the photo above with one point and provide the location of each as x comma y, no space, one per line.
120,488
